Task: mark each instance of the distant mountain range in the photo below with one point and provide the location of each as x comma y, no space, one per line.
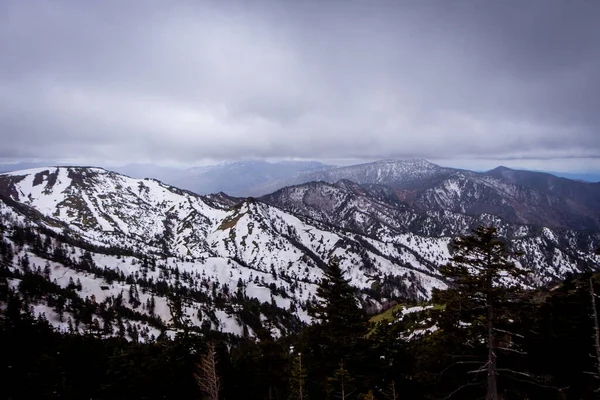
389,222
257,178
517,196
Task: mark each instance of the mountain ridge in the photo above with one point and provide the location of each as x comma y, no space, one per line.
272,249
515,195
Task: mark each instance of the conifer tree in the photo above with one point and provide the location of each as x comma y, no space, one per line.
298,380
481,294
338,311
340,331
368,396
341,385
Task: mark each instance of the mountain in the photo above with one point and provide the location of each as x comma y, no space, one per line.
581,176
163,174
161,255
395,173
522,197
237,178
376,211
111,232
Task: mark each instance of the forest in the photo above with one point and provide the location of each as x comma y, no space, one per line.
485,336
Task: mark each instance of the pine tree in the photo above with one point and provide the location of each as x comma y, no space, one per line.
341,385
368,396
339,334
338,311
298,380
481,295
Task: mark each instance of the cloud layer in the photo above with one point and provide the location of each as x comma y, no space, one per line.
184,81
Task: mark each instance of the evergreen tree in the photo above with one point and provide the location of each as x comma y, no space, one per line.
341,384
343,321
340,333
298,379
564,325
481,297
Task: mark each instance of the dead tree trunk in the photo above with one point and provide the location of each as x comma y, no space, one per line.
391,393
301,382
596,327
207,377
492,368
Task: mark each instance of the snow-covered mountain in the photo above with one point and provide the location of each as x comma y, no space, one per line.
237,178
376,211
518,196
118,222
238,265
396,173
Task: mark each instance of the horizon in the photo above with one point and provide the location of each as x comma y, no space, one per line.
588,177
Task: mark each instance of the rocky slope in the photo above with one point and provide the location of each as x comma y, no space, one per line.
517,196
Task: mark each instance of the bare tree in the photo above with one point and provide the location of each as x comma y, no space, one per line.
596,326
596,329
207,377
390,393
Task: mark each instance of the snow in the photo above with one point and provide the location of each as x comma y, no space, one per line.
415,309
264,246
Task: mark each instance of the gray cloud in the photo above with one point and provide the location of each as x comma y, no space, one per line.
184,81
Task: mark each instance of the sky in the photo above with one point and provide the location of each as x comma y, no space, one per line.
471,84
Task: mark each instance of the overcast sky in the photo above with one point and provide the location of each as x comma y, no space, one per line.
472,83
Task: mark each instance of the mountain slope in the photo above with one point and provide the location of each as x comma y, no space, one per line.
395,173
110,231
518,196
164,255
375,211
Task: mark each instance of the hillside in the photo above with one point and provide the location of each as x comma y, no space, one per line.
116,235
522,197
114,223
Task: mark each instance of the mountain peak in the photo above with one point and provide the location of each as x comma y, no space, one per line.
384,172
417,162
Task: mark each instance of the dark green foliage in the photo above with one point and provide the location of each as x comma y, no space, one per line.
479,276
340,385
564,345
483,308
338,336
338,311
298,378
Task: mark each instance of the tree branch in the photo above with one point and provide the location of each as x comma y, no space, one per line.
459,363
509,332
462,387
512,350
